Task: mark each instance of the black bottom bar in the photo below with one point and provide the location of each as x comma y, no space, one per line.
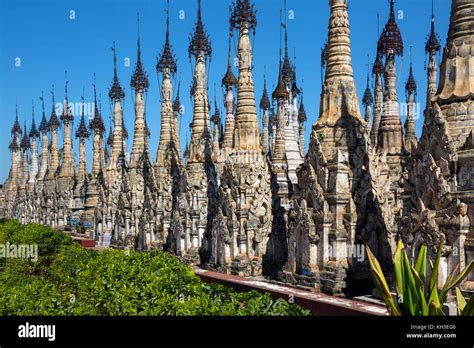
243,331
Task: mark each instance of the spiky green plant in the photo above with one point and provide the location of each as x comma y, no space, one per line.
414,297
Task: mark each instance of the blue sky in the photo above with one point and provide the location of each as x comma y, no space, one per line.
44,38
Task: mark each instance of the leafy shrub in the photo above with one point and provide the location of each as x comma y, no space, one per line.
70,280
416,296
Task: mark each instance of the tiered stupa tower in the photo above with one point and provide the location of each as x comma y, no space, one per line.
293,155
336,182
411,140
265,106
92,218
14,176
66,176
377,72
34,148
116,95
367,101
139,169
440,182
302,118
167,157
245,183
80,189
33,209
229,81
50,196
201,172
390,134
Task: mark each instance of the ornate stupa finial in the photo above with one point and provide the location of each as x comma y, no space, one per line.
65,84
264,101
177,101
243,13
66,116
391,38
368,99
16,125
280,91
110,138
116,91
199,41
82,132
216,118
97,124
33,131
288,73
25,141
139,80
229,79
186,148
301,111
43,127
167,59
432,43
410,86
53,120
294,87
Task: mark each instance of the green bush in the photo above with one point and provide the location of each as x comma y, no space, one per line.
71,280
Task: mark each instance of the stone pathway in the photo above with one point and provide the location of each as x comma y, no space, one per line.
318,304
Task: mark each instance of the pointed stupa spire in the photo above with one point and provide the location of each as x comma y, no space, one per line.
301,111
432,43
43,127
97,124
177,101
391,38
217,113
16,133
16,125
339,96
367,99
199,42
139,80
288,73
110,138
116,91
264,101
167,59
294,87
34,134
229,79
246,131
25,141
410,86
200,49
82,132
66,116
280,91
410,131
53,120
33,131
